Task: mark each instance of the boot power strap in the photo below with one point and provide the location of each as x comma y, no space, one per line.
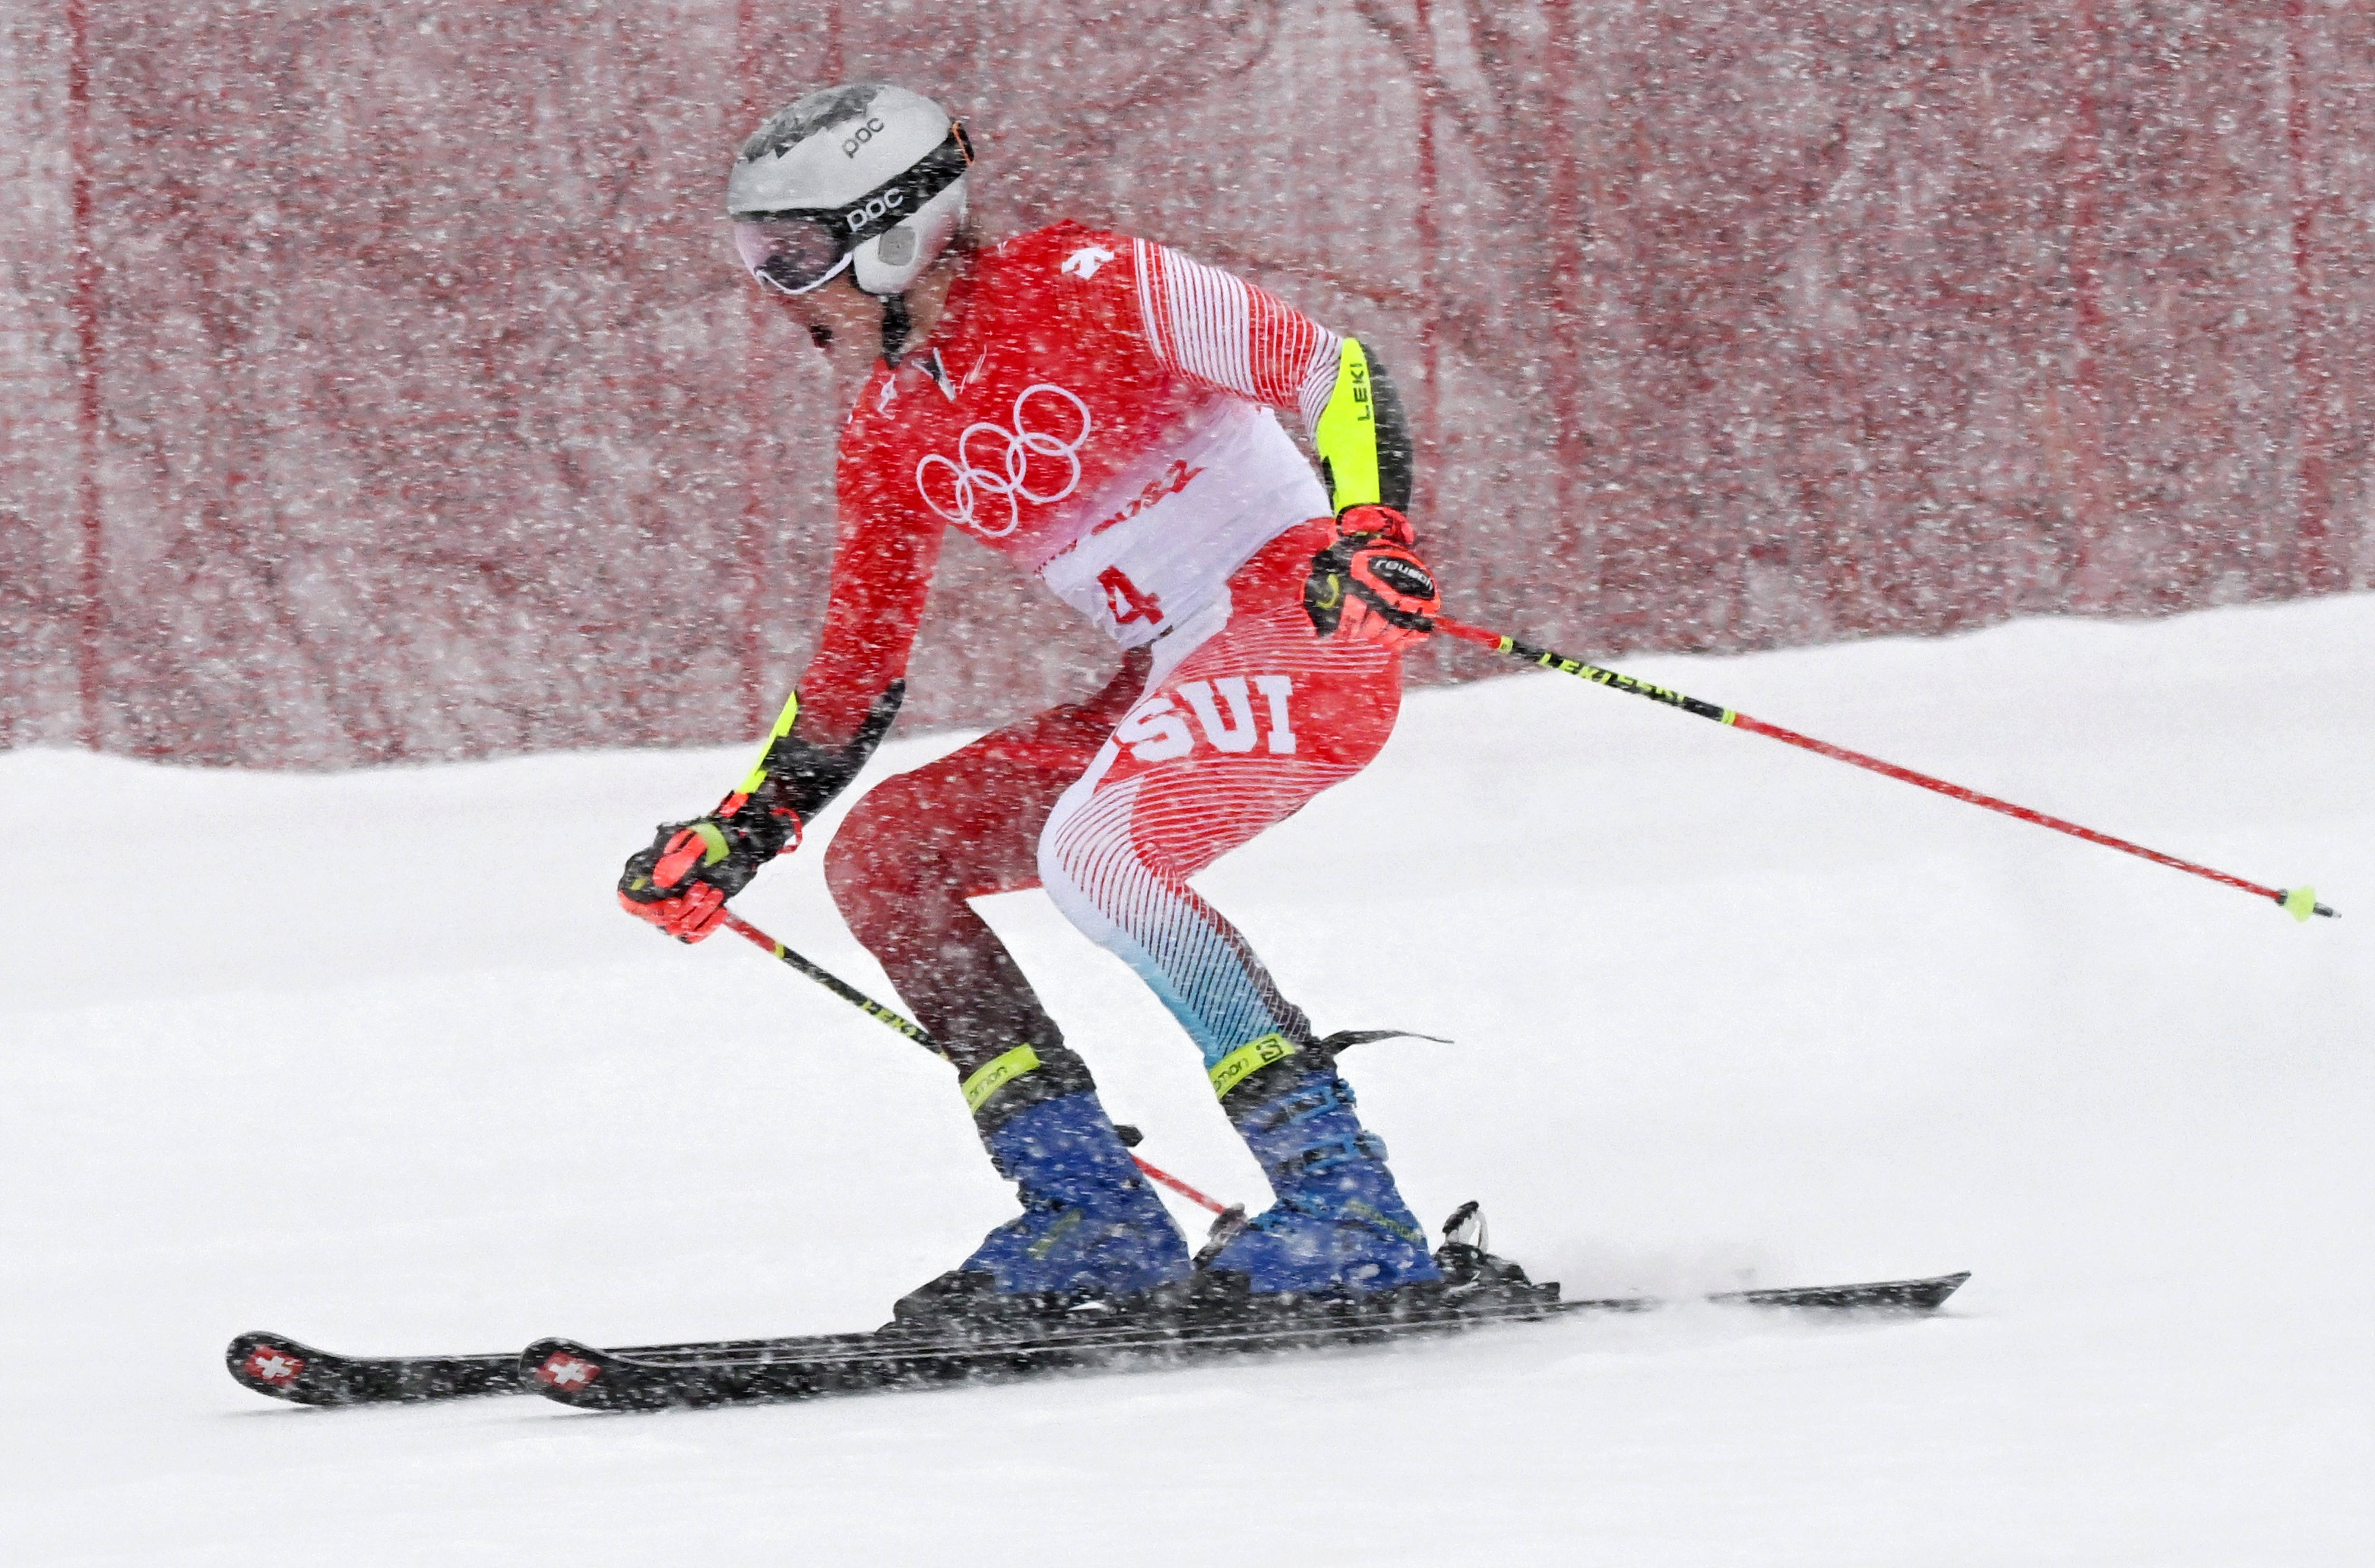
995,1074
1248,1059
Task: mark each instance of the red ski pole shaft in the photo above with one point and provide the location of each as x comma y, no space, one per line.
2299,903
908,1027
1176,1185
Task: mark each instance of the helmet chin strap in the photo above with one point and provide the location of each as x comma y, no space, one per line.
897,322
896,325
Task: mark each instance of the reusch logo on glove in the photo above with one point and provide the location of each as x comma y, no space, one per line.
1403,576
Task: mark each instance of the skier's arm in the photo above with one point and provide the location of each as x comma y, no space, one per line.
1204,323
830,726
1221,330
882,568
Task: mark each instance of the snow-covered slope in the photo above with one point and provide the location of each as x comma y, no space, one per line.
371,1059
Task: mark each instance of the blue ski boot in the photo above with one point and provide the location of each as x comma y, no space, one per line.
1090,1230
1338,1223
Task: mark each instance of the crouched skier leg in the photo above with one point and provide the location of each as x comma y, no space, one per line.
902,868
1251,726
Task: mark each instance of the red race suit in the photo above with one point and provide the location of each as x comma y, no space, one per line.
1098,409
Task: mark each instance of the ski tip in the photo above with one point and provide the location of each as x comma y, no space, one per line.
273,1365
567,1370
1878,1296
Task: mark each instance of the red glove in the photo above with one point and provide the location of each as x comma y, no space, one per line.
681,881
1368,583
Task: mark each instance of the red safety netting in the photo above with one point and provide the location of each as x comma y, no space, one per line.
377,382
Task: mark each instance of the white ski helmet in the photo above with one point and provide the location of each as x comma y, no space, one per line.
869,177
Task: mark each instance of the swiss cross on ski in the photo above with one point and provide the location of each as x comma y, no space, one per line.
562,1370
267,1364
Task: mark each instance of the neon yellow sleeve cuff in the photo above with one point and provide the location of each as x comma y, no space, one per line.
758,774
1346,436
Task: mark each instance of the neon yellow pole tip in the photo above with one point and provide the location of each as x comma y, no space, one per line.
2301,903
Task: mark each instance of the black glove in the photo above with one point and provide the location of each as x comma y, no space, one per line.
681,883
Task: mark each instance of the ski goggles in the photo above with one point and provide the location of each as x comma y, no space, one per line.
799,249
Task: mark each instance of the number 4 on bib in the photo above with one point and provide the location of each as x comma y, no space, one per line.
1126,600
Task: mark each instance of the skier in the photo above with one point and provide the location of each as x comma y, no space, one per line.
1097,409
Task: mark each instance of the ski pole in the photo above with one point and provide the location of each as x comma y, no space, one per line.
912,1029
2299,902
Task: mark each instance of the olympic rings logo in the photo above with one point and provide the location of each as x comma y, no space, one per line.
1008,472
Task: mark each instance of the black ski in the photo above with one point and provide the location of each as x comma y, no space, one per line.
283,1368
802,1368
1209,1316
288,1369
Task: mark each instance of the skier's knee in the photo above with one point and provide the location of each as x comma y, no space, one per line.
1062,853
1053,875
880,859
